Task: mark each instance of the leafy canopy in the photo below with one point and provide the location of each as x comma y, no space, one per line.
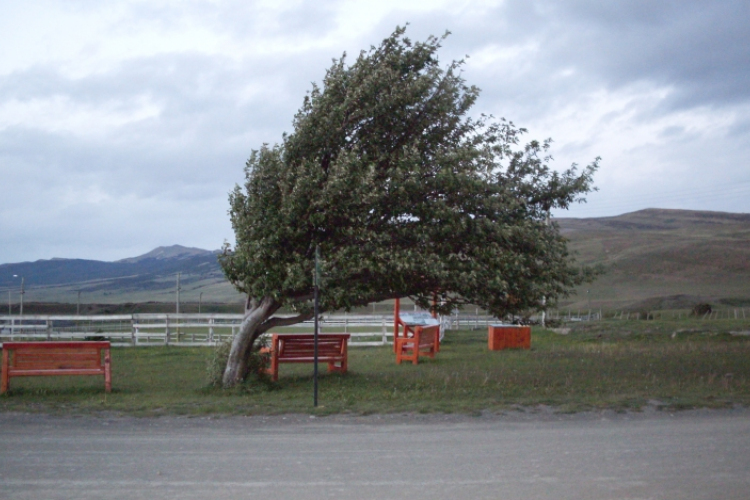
405,193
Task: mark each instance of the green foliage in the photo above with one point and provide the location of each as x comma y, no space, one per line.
405,193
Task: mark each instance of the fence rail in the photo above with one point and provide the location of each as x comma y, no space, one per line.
179,329
199,329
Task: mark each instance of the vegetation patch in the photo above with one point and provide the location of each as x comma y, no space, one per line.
618,365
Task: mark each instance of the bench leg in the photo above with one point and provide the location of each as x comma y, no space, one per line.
107,371
405,346
337,366
274,366
4,387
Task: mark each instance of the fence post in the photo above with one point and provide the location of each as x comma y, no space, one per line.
166,332
133,329
385,336
210,329
48,324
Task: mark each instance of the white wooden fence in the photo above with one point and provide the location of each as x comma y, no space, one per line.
199,329
179,329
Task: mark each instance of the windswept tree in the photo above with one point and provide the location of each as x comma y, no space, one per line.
405,193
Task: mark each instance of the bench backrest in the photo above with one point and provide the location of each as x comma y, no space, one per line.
303,345
428,335
55,355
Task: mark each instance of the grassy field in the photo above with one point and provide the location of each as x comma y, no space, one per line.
607,364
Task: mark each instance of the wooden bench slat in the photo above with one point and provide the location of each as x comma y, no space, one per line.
65,371
31,357
60,365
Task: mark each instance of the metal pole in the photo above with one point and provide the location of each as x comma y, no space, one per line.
8,302
200,301
316,278
544,299
78,304
22,292
177,319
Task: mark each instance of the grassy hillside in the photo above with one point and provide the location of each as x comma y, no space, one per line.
654,259
663,258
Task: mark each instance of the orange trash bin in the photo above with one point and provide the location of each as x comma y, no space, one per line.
502,336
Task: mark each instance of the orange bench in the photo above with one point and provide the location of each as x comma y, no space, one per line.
33,359
424,342
404,329
300,348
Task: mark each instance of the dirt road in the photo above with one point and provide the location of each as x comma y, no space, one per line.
653,455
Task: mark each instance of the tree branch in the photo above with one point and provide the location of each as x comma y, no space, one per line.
276,321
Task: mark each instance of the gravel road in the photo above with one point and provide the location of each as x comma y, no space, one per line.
703,454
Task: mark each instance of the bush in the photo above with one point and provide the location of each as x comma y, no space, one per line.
701,309
256,367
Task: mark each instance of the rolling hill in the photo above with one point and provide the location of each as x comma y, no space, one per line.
653,259
658,258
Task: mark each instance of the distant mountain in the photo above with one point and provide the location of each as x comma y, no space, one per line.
151,276
171,252
159,262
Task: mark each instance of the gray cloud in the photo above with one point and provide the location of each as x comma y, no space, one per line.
141,151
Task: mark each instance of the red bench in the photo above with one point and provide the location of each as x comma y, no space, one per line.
424,342
300,348
34,359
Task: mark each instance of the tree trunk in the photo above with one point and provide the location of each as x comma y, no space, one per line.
258,320
256,314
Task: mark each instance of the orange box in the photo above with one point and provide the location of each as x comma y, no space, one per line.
509,337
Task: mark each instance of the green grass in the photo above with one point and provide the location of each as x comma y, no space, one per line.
608,364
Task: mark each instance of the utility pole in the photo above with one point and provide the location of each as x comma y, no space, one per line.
8,302
22,292
78,304
177,291
200,301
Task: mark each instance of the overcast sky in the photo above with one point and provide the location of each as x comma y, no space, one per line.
124,125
